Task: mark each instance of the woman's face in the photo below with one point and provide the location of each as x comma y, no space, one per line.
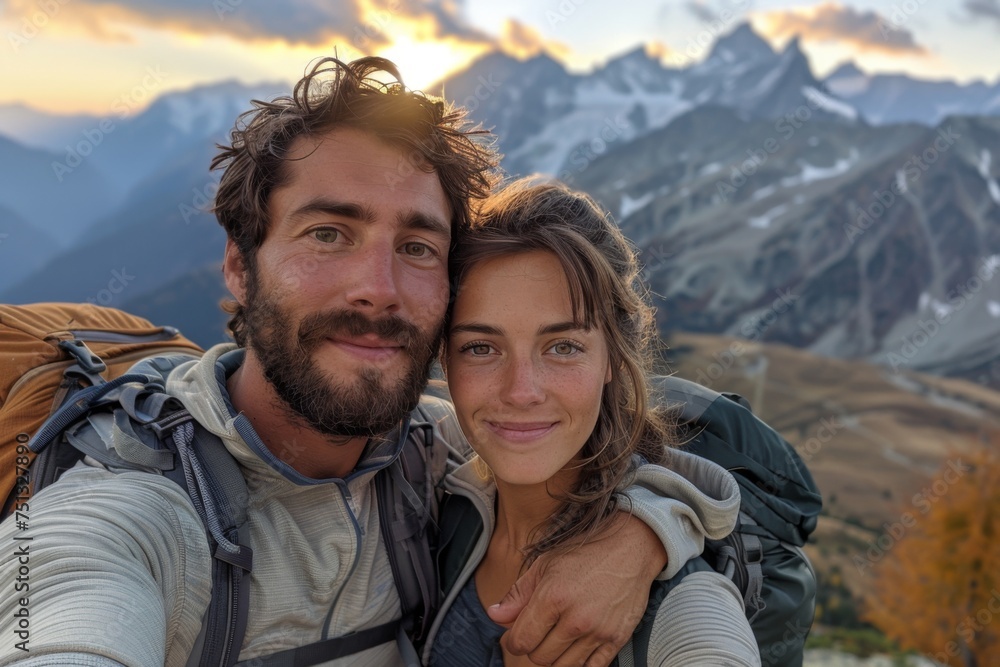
525,379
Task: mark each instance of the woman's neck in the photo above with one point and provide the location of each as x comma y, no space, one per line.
523,509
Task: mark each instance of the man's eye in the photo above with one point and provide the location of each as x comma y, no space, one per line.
416,249
327,235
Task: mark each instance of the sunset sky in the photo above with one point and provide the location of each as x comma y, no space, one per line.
71,56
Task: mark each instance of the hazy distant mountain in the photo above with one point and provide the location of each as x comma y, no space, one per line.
897,98
552,121
871,244
190,303
158,235
174,125
40,129
59,200
23,247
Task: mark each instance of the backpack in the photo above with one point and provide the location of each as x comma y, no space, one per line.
779,509
90,367
763,555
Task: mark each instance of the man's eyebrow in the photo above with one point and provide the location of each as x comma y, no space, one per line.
476,327
417,220
326,206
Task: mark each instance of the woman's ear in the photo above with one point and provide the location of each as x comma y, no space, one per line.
608,375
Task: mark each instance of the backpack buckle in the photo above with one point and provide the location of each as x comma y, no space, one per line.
87,363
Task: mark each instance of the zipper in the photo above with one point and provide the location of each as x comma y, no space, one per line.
346,494
98,336
234,598
132,356
459,487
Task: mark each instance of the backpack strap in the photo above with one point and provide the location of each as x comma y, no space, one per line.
403,496
323,651
210,473
635,653
739,557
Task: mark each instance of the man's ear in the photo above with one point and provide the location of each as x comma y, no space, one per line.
234,270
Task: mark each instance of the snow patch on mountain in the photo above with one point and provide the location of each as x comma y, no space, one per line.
985,159
811,173
827,103
630,206
764,221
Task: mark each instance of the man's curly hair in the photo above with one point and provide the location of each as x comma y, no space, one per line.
432,135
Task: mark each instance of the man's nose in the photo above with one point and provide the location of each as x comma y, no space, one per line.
374,283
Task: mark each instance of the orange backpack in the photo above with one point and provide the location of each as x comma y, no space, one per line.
47,352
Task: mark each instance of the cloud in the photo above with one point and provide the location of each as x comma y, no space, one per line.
832,22
701,11
983,9
311,22
523,41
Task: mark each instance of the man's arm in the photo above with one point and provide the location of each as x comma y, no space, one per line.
114,570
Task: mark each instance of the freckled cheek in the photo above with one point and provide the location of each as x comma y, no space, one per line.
581,393
471,390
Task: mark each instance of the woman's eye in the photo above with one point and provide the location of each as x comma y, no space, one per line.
564,348
327,235
477,349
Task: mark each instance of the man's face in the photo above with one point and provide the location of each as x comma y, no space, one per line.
345,308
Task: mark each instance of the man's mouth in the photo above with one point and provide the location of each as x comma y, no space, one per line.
369,347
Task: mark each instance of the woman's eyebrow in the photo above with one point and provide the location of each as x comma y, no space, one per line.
560,327
476,327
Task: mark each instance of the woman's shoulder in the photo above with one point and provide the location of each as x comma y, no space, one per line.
700,620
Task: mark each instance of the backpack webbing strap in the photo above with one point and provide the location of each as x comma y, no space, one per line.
636,650
753,558
402,492
328,649
220,497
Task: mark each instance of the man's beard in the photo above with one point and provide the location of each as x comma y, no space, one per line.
363,408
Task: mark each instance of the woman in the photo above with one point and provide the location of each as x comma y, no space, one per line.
548,352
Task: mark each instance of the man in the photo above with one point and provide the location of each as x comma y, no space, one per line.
339,205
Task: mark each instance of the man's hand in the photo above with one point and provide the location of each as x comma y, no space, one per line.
581,607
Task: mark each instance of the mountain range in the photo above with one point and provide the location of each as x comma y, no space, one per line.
767,203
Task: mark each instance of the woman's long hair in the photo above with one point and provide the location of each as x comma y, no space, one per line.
607,294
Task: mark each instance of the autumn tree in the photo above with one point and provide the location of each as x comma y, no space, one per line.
937,590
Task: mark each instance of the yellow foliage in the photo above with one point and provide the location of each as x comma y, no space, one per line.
938,588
